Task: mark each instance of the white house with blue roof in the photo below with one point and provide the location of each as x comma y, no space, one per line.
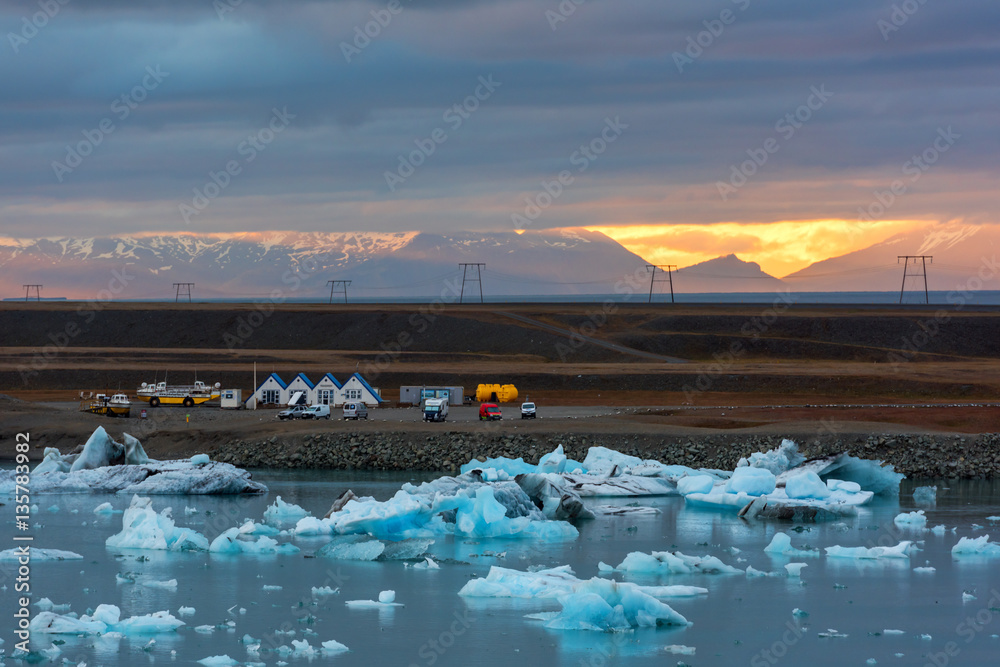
328,391
356,389
272,391
302,384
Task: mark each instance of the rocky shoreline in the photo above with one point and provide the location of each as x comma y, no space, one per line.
917,456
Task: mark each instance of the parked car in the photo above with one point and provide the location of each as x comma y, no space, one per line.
489,412
292,412
355,411
316,412
527,410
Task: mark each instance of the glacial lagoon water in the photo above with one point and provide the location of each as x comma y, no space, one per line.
741,621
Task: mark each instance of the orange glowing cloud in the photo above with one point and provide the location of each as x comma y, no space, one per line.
780,248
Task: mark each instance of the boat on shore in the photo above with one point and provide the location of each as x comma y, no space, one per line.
188,395
111,405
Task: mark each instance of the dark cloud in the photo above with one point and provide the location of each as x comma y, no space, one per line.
893,88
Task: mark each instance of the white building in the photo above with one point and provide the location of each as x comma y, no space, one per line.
356,389
272,391
326,390
300,383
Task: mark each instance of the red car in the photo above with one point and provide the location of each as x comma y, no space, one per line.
489,411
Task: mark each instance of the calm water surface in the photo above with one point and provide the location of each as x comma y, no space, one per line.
742,621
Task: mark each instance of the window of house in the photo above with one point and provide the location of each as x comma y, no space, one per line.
269,396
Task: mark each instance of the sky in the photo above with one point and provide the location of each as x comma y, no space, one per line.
785,131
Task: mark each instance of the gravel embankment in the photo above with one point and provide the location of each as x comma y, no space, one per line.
918,456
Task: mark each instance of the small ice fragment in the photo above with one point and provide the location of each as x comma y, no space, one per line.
679,649
387,596
968,597
926,638
795,569
925,495
269,587
333,646
938,530
190,510
428,564
993,518
925,570
247,639
871,661
831,633
54,508
170,584
200,459
205,629
324,590
185,611
218,661
798,613
893,632
104,508
913,520
976,526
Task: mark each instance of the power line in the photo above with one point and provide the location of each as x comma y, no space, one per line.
183,288
333,286
38,291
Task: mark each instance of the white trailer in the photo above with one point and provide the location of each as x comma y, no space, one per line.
231,399
435,409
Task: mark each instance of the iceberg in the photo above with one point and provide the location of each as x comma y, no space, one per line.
352,547
806,484
105,466
143,528
218,661
666,562
752,481
775,461
695,484
281,512
781,545
976,546
899,551
795,569
36,554
385,599
333,646
230,542
552,583
104,619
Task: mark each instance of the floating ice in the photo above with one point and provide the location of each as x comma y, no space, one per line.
37,554
893,632
607,606
271,587
695,484
976,546
753,572
551,583
230,542
751,481
831,633
46,604
385,599
938,530
281,512
218,661
104,619
352,547
324,590
200,459
968,597
170,584
898,551
143,528
185,611
925,495
666,562
795,569
925,570
679,649
428,564
806,484
781,545
911,520
333,646
776,461
106,508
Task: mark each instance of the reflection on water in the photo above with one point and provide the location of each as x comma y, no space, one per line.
741,621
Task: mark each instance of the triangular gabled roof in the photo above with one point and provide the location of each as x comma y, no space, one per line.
276,378
364,383
335,381
304,379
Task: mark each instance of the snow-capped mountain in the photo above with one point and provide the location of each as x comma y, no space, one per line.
299,264
964,257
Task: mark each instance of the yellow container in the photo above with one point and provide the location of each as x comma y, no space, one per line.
507,393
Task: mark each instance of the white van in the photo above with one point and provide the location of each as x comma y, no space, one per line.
355,411
435,409
316,412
